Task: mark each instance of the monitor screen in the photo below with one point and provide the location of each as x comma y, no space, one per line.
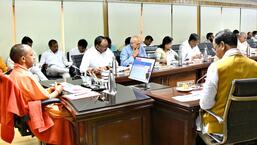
142,69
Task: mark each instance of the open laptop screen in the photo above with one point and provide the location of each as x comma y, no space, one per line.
142,69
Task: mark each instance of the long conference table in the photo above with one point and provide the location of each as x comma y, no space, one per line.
139,117
170,75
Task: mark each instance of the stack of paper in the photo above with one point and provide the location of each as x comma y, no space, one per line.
187,98
74,89
77,92
81,95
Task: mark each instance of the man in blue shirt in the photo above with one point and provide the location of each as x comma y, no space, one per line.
131,51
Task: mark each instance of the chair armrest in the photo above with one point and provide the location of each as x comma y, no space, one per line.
218,118
50,101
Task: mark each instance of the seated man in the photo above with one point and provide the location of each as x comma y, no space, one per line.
35,69
232,65
148,40
57,64
97,58
243,45
79,50
60,132
189,48
3,67
209,37
131,51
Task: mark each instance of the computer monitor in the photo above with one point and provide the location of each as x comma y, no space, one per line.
142,69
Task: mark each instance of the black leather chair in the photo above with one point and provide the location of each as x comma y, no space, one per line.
209,47
117,56
175,47
239,119
252,43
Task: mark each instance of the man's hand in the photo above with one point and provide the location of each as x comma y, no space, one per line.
58,88
135,53
97,70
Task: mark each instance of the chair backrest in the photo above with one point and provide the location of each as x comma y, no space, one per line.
240,119
209,47
175,47
117,56
252,43
77,59
150,51
68,56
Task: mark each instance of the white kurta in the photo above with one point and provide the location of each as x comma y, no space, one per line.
187,52
93,58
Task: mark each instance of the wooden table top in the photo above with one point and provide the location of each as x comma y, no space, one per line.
166,70
166,95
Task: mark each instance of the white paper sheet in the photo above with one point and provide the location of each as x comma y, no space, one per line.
81,95
191,97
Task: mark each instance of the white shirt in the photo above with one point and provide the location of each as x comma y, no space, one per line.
161,54
188,52
243,47
74,51
57,59
93,58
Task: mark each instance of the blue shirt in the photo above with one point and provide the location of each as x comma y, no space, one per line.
126,57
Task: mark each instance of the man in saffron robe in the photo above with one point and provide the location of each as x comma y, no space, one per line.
60,132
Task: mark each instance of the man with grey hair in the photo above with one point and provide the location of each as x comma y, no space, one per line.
242,44
131,51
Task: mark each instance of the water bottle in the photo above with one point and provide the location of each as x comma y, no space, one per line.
205,55
114,65
168,58
180,57
112,88
248,52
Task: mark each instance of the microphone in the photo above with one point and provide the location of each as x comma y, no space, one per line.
201,78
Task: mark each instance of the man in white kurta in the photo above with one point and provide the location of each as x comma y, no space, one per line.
189,48
243,46
57,64
98,57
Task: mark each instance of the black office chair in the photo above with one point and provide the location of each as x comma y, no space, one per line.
239,119
117,56
68,56
252,43
175,47
209,47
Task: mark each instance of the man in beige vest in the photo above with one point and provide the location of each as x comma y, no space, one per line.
231,65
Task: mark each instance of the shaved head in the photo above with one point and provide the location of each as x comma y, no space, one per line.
17,51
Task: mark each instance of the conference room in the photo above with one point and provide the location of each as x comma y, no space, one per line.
128,72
